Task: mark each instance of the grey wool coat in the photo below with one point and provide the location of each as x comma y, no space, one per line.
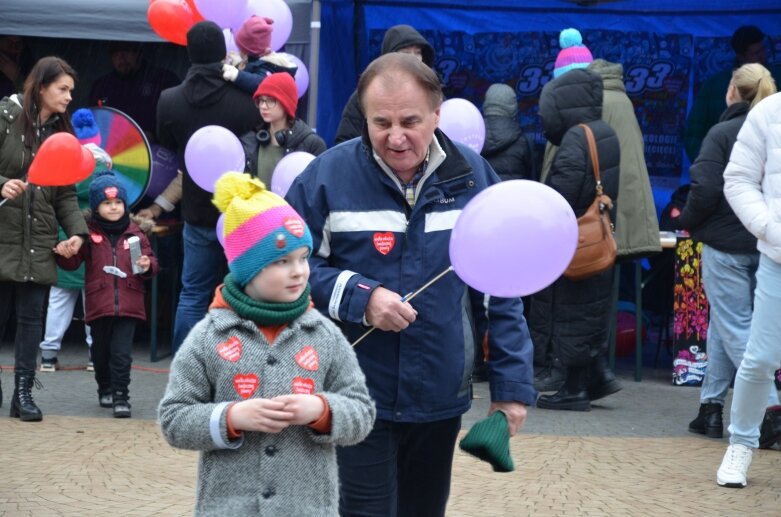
227,359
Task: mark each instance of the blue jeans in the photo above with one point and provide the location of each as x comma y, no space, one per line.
761,359
203,269
729,280
400,469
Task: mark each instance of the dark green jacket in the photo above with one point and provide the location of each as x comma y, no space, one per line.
29,222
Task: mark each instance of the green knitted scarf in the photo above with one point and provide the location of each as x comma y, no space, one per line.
262,313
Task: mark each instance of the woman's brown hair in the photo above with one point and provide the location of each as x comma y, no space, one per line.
46,71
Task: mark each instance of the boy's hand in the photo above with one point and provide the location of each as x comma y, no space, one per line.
143,262
264,415
229,72
305,408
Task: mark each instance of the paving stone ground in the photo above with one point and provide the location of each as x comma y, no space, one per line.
631,455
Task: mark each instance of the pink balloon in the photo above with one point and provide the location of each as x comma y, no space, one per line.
210,152
288,169
225,13
302,74
462,122
278,11
514,238
220,228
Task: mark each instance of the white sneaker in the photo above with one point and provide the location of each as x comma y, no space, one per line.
734,466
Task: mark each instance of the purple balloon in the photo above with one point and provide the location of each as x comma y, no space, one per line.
220,228
513,239
302,74
278,11
462,122
288,169
211,152
165,165
233,52
225,13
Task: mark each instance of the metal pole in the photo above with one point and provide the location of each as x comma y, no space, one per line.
314,64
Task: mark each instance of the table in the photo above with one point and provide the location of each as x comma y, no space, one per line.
162,231
667,240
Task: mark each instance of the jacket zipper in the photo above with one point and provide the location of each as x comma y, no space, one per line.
116,279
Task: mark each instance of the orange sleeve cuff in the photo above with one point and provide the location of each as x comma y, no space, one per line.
232,433
323,424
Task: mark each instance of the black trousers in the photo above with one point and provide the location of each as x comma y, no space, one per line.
112,346
400,469
28,299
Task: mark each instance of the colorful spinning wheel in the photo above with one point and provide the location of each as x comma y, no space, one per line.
129,149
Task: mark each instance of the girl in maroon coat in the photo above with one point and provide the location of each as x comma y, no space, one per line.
114,293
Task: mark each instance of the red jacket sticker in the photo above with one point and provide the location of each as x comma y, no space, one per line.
303,386
96,237
246,384
307,359
230,350
384,242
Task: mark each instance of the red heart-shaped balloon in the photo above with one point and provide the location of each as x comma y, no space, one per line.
60,161
171,19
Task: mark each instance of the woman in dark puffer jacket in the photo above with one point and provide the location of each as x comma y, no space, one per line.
573,316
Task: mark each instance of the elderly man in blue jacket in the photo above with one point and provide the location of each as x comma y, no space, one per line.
381,209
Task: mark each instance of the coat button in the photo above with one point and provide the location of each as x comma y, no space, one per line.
268,493
32,251
271,450
271,361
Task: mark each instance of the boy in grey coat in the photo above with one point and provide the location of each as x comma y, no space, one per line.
264,386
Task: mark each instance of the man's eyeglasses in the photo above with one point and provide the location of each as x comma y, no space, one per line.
270,102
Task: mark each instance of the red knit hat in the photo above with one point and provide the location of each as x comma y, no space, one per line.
283,88
254,36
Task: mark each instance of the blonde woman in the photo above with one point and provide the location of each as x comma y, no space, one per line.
729,255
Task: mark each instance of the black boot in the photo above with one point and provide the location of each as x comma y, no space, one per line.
770,430
551,378
120,404
602,380
708,421
572,396
22,404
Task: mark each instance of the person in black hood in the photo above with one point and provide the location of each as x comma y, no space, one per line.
506,148
203,99
399,38
573,317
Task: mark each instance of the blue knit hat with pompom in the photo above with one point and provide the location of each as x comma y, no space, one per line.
573,53
105,185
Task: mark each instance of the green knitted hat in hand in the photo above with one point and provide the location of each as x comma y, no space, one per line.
489,440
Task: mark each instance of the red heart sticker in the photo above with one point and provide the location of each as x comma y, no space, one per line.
294,226
96,237
384,242
230,349
246,384
303,386
111,192
307,359
126,245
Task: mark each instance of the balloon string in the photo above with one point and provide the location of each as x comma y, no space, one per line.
409,297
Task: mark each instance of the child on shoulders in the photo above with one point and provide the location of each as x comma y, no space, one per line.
259,61
265,386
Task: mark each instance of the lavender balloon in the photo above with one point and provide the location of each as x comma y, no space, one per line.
220,229
210,152
462,122
287,170
278,11
302,74
225,13
513,239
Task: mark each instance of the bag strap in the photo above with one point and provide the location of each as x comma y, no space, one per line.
592,151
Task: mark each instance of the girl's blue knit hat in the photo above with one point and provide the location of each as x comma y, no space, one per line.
105,185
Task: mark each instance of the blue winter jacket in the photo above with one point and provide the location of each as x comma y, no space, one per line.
366,235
